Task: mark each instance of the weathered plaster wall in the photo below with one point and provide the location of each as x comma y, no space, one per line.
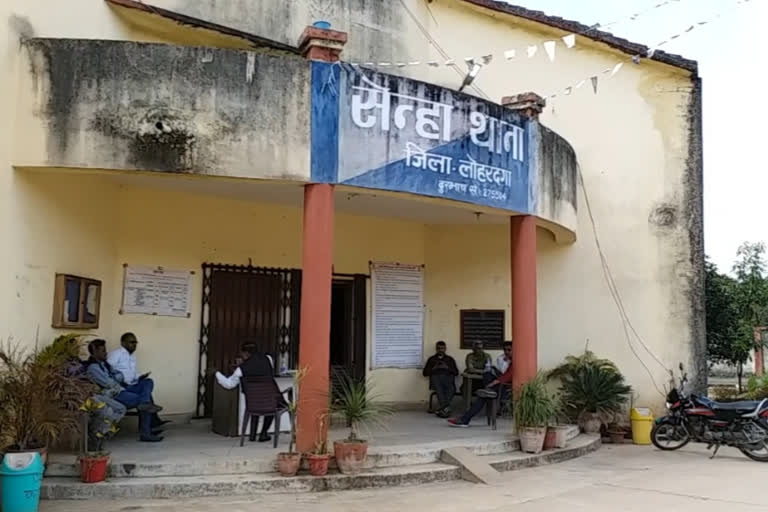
138,106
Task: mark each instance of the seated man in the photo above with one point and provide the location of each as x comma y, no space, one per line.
442,371
254,364
503,363
102,419
478,361
101,373
123,360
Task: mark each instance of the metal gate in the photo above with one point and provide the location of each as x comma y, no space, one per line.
245,303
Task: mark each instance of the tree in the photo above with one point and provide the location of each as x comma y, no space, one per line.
724,340
735,306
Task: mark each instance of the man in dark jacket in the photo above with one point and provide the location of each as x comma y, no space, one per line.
253,364
442,371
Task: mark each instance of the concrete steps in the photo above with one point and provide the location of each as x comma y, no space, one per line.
378,458
234,485
134,487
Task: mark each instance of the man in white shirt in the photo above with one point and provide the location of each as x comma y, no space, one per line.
252,364
505,359
123,360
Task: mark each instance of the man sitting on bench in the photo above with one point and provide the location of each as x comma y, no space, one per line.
442,371
108,379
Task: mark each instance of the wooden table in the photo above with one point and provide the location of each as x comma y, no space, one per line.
467,383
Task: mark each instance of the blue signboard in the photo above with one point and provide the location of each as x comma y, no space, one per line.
385,132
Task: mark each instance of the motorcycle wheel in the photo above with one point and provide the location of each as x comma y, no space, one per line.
758,452
668,437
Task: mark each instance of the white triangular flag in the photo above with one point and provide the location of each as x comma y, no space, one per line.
594,83
570,40
650,52
568,90
532,51
581,82
509,54
616,68
549,47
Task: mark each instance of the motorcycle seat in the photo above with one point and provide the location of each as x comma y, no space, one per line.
744,406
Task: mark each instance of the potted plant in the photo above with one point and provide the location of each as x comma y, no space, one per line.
359,406
594,394
94,461
615,433
593,389
319,458
40,398
534,409
557,431
288,462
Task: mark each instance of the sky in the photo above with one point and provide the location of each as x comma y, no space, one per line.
734,93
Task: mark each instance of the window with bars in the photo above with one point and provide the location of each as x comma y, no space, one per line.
486,325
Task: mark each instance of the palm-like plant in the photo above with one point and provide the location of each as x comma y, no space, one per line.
574,363
359,405
594,389
40,399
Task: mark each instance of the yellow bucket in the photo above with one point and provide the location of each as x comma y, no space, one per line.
642,424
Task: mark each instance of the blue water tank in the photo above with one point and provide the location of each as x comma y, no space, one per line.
21,475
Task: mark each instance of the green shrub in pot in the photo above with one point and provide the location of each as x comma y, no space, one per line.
535,408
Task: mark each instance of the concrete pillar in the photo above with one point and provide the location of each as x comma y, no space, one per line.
315,327
317,42
524,337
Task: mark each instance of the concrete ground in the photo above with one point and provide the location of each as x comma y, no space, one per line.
627,478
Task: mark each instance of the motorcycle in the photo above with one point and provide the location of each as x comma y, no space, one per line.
742,425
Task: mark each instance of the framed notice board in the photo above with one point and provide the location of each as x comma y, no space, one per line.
486,325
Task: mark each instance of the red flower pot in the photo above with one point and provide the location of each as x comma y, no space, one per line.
550,440
318,464
93,469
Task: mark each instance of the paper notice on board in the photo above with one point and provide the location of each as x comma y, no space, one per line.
156,291
398,315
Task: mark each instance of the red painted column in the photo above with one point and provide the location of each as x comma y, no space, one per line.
321,44
523,261
315,327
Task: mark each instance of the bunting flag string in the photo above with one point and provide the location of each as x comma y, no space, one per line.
531,51
636,59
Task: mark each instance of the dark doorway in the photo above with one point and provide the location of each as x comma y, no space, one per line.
348,332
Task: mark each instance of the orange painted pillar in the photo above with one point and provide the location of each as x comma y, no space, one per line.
523,260
315,327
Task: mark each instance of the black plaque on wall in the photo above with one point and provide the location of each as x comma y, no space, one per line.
486,325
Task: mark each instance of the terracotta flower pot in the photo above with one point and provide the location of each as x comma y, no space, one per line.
550,439
532,439
318,464
288,463
561,435
93,469
590,423
617,436
350,456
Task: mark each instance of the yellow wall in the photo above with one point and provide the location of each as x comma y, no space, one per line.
97,224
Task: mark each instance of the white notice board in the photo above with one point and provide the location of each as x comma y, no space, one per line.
398,315
156,291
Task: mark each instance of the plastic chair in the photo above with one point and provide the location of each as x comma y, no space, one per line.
263,398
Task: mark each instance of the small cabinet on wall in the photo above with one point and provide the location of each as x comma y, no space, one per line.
76,302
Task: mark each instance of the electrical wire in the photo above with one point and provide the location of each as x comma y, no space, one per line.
616,295
440,50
